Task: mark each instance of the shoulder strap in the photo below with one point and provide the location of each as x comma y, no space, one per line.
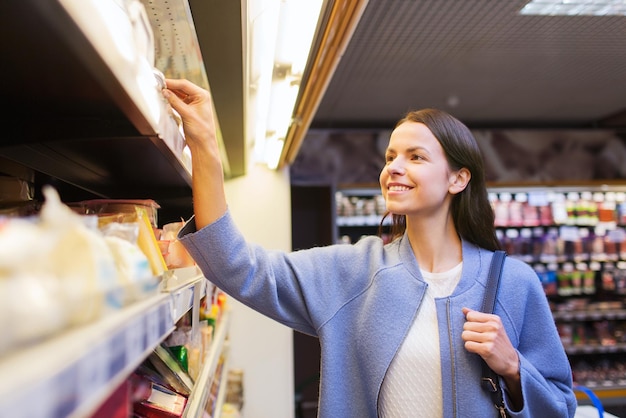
493,281
490,380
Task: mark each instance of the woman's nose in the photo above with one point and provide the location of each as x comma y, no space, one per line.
395,166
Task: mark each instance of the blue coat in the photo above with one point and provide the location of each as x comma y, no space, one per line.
361,299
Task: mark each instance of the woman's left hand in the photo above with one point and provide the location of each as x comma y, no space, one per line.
485,335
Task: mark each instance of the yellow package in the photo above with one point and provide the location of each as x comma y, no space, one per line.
148,243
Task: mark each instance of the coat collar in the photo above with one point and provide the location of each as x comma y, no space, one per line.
474,263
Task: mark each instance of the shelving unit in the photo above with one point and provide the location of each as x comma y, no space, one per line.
77,106
222,383
197,401
87,116
72,373
82,110
359,212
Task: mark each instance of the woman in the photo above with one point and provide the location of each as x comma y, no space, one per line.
399,326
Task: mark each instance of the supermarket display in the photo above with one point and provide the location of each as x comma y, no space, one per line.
87,273
93,288
67,270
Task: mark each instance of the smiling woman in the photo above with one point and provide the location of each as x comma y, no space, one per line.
408,308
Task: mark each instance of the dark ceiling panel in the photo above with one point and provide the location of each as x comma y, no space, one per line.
480,60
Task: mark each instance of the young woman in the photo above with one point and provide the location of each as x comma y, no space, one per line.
399,326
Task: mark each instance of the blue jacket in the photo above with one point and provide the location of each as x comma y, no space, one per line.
361,299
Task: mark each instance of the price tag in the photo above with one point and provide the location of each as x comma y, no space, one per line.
569,233
538,198
117,354
189,294
166,322
134,339
152,328
176,304
65,387
93,372
24,406
171,302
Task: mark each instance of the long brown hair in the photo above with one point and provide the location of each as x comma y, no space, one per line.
471,210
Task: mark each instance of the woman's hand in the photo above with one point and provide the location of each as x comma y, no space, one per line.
485,335
195,108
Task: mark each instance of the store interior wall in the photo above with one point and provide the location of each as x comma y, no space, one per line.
347,157
260,346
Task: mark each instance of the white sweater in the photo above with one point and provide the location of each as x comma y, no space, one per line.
412,387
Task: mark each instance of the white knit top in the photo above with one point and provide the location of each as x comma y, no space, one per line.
412,386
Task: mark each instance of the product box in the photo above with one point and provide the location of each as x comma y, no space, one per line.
160,402
167,365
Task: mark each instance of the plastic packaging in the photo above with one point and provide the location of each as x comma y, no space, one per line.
118,208
176,255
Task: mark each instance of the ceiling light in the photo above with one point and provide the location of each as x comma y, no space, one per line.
281,39
575,8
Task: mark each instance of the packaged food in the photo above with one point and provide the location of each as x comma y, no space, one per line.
116,207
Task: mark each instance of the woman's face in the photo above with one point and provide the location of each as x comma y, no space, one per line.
416,178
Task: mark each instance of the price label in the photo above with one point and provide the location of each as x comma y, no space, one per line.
172,306
135,339
67,396
93,372
152,328
166,319
117,354
23,406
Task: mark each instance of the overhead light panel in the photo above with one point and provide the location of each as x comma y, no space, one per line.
282,33
575,8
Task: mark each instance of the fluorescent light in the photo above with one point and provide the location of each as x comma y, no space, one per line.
575,8
273,148
282,34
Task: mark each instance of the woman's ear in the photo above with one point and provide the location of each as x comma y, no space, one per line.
459,180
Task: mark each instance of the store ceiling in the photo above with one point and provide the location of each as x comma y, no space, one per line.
483,62
478,59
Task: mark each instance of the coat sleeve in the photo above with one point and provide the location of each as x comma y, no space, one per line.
545,370
299,289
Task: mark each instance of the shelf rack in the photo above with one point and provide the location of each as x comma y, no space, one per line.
73,372
197,401
81,116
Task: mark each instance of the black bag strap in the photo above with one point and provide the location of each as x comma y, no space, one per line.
493,281
490,381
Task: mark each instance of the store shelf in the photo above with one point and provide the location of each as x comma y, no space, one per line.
197,400
86,114
223,386
590,315
73,372
595,349
362,220
81,109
